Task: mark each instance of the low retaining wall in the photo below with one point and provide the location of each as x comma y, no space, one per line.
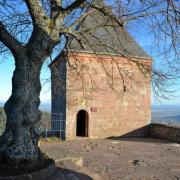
165,132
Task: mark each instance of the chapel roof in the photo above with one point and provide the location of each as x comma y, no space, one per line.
102,36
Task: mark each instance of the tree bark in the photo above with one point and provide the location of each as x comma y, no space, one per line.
19,142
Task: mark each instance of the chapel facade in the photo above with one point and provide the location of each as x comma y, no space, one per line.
104,89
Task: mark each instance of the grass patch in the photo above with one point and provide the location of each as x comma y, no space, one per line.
49,140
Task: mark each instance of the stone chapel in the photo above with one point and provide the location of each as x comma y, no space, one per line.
103,88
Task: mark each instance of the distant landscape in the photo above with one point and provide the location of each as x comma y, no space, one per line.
2,120
45,120
165,114
43,107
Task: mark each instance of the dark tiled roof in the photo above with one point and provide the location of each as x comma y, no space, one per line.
104,36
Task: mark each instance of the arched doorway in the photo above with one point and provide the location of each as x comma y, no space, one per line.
82,123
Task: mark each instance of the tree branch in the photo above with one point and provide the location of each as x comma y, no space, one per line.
78,21
55,8
142,16
37,12
74,5
8,40
106,12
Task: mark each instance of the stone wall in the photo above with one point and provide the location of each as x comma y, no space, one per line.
165,132
113,91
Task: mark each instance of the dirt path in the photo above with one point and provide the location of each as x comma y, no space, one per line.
116,159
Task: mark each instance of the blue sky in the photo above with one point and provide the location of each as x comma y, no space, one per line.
6,72
7,67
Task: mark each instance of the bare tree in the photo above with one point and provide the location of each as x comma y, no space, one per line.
31,29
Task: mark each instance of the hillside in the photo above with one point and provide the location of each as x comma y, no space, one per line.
2,113
45,120
169,114
2,120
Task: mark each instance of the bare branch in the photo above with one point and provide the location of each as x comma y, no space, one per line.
143,15
8,40
107,13
74,5
37,12
78,21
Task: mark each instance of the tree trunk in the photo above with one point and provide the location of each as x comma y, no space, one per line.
19,142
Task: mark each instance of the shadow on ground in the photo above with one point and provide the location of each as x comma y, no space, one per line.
67,174
143,140
142,134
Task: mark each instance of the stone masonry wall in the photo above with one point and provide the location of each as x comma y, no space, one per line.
114,92
165,132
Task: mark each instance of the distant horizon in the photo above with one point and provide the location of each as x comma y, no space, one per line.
43,106
153,104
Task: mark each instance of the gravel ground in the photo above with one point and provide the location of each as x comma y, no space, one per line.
116,159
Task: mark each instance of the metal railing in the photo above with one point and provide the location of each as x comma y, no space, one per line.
50,125
58,125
